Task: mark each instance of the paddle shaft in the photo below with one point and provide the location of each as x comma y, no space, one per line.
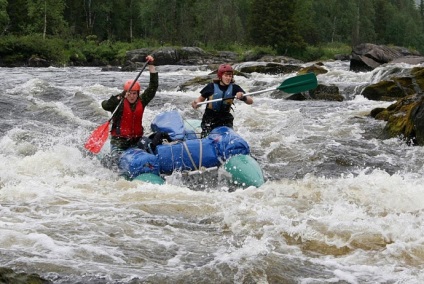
247,94
300,83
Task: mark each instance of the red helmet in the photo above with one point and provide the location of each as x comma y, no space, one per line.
224,68
128,84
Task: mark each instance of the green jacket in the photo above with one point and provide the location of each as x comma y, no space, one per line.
111,104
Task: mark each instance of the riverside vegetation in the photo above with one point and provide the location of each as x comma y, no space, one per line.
93,33
19,51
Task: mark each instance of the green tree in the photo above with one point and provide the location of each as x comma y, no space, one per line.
384,12
284,25
191,22
219,22
363,28
305,16
335,20
421,7
403,30
18,11
73,15
101,17
160,19
273,23
4,17
46,17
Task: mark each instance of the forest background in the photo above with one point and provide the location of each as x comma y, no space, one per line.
95,32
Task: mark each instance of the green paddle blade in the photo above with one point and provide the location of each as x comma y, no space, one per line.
299,83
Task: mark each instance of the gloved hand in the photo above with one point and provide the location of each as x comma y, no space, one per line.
120,95
150,59
240,96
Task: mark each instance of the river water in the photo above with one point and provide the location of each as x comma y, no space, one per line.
341,204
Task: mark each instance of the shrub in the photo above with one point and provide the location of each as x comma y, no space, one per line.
21,49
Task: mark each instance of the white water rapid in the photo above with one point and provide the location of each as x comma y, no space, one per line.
340,205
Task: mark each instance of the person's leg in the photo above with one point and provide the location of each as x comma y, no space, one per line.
207,127
158,139
111,160
144,143
149,144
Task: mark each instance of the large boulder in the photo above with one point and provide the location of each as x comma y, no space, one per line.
389,90
326,93
279,59
36,61
405,119
417,120
316,68
269,68
321,92
394,87
411,59
367,56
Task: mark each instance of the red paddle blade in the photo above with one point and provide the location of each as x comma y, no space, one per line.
98,138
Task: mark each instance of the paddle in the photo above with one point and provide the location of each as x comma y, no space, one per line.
291,85
99,136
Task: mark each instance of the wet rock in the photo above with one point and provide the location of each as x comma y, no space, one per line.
405,119
387,91
417,74
366,56
413,60
417,120
395,88
377,111
326,93
7,275
279,59
270,68
36,61
314,68
321,92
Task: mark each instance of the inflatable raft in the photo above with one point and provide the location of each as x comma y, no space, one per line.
184,152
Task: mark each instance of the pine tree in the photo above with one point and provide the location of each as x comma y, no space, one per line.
273,23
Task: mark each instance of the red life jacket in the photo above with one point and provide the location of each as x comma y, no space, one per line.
129,125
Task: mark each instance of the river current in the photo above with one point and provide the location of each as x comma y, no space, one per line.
341,204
